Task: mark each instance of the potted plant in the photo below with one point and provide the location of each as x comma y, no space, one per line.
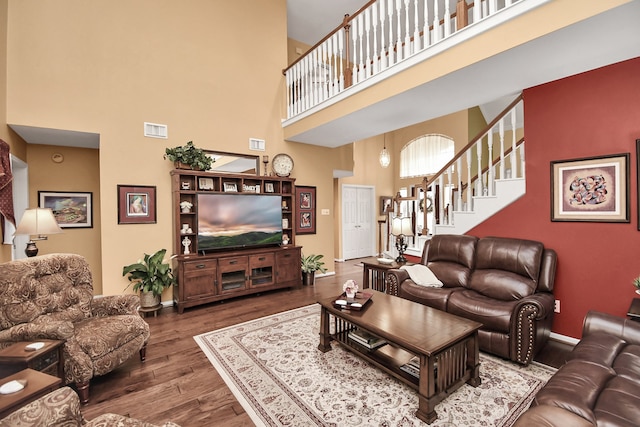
636,284
189,156
150,277
311,264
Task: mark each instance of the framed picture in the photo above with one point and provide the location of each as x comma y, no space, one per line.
386,205
268,187
71,209
205,183
230,187
638,177
591,189
136,204
306,210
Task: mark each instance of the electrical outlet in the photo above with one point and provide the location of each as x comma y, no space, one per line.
556,308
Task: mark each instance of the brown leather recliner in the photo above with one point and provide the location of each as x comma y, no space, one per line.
599,384
506,284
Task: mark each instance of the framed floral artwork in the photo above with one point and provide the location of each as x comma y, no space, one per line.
594,189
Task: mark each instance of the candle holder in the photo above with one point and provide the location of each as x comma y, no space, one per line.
265,160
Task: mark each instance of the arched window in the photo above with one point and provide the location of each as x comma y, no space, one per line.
425,155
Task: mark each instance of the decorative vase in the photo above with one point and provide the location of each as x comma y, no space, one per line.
308,279
148,300
350,295
186,210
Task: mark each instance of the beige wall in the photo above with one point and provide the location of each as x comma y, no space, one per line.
108,66
80,171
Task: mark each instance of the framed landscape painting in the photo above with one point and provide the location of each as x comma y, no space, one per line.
592,189
136,204
72,209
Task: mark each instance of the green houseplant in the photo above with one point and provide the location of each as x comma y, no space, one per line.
150,277
636,284
189,155
309,265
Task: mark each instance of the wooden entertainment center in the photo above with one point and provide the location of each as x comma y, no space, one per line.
205,277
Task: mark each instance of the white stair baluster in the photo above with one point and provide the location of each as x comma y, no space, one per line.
436,23
447,20
374,20
407,30
501,133
392,55
341,52
416,28
490,164
479,156
441,200
383,15
469,183
367,29
514,166
399,49
425,29
361,70
354,37
459,184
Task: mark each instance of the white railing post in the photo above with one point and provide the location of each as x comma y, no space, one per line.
501,130
376,62
425,29
436,23
447,20
514,165
361,71
416,28
441,200
469,184
479,157
383,15
407,36
367,27
490,163
354,37
459,184
392,57
399,50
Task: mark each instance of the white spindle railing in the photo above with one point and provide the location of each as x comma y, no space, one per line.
367,43
483,161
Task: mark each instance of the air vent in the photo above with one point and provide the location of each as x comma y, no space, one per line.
256,144
154,130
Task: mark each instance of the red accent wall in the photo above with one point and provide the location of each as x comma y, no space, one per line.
590,114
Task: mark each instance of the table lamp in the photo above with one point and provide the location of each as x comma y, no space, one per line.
401,228
40,222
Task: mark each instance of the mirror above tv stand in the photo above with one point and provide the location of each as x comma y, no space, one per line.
207,273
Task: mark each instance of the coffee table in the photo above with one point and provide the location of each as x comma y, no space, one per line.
446,345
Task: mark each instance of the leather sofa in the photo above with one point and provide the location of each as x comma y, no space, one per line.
506,284
51,297
61,408
599,384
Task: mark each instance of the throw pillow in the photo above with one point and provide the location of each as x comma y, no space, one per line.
422,275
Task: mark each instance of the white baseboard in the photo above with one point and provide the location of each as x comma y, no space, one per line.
564,339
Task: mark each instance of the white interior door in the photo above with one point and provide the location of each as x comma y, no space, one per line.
358,221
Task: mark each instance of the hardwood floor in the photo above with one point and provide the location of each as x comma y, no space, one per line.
177,383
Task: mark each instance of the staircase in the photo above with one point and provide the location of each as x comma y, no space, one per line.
497,152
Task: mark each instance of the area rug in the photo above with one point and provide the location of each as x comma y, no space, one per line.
275,370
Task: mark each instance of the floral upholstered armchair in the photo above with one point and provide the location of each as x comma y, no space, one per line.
51,297
61,408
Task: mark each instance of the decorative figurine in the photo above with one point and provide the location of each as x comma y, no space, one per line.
186,242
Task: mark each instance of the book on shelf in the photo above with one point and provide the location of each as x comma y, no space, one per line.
412,367
366,339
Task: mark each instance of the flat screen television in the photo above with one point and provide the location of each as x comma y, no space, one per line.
230,221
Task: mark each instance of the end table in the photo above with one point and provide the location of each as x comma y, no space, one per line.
38,384
48,359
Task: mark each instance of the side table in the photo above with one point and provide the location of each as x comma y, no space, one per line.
374,273
38,384
48,359
634,310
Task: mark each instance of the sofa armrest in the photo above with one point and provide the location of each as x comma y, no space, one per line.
543,301
548,416
60,407
393,278
115,305
626,329
49,329
531,324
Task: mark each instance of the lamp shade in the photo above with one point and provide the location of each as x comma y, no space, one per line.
38,221
401,226
385,158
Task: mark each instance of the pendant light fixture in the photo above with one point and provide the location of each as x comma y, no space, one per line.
385,158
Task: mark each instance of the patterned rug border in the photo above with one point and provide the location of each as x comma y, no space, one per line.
252,406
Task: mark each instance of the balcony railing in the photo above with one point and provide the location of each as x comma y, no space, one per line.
381,34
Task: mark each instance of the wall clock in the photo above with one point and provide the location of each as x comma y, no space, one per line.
282,164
